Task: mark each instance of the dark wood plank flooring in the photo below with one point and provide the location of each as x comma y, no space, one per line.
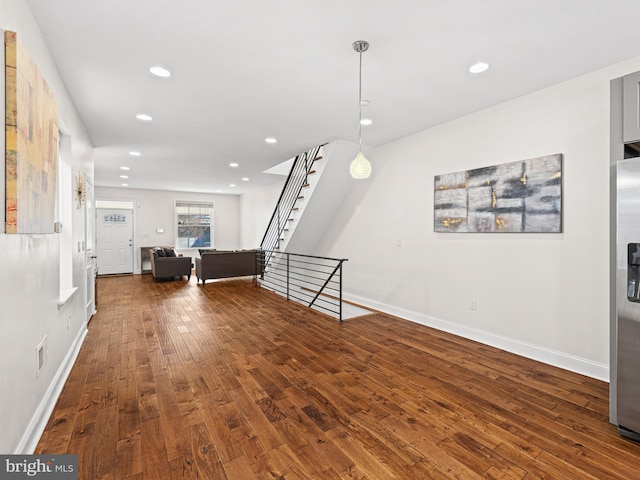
177,380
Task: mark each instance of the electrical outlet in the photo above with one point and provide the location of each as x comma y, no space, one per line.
473,304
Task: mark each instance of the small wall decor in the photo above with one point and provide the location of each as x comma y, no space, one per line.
31,151
81,190
523,196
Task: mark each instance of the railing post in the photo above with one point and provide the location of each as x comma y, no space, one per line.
340,318
277,242
306,168
287,276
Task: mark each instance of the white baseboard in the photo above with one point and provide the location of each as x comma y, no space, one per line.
29,440
535,352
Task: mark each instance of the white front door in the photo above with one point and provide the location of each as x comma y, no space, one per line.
115,241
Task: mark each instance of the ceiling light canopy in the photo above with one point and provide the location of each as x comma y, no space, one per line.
234,165
271,140
360,167
478,67
144,117
159,71
135,154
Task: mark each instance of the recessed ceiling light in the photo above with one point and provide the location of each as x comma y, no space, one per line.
135,154
234,165
124,168
232,184
366,121
124,176
125,184
245,179
478,67
364,103
159,71
271,140
144,117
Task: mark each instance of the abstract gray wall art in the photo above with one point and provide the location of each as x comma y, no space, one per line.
515,197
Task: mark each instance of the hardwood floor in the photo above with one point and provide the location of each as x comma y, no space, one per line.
177,380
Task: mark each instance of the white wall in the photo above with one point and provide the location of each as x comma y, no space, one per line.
542,295
156,209
29,283
256,209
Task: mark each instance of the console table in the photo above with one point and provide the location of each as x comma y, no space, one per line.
145,260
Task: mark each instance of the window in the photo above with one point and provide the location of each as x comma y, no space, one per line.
194,224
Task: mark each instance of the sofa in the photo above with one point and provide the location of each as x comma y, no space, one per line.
165,264
225,264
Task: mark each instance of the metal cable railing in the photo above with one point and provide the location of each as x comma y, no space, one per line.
313,281
291,193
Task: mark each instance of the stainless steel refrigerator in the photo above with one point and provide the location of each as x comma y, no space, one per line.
628,297
624,295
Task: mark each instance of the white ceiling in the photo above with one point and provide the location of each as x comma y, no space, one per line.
245,70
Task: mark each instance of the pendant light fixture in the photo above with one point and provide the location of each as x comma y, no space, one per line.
360,167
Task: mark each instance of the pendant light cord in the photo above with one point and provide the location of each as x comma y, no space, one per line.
360,104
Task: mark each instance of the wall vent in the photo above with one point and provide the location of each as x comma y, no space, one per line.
41,356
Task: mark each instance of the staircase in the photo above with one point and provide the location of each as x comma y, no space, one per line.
290,202
314,191
316,186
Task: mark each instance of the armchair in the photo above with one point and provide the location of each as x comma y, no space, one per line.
166,264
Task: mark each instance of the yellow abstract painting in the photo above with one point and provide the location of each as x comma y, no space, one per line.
31,120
